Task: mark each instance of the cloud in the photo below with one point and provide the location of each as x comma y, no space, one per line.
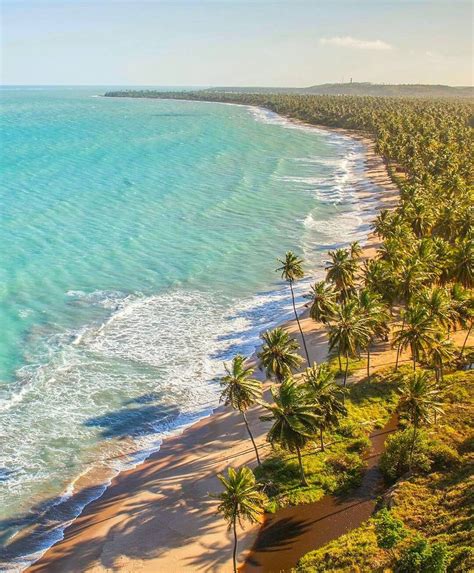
349,42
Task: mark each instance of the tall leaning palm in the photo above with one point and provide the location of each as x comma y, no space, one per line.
294,419
418,334
279,354
326,396
241,391
292,270
349,332
420,398
240,501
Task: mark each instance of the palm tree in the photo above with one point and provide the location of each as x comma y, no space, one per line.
437,303
341,271
279,354
241,391
374,310
324,302
462,303
410,277
292,270
463,267
327,397
240,501
418,333
355,250
440,351
420,397
294,419
349,332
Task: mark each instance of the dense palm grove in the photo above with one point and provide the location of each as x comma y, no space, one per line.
415,295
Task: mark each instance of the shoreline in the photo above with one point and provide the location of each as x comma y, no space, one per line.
104,518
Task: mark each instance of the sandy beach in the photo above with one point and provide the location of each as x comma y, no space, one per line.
160,516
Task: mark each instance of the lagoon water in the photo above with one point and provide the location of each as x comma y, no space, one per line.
138,245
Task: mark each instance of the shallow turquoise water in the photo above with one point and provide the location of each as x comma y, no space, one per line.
139,240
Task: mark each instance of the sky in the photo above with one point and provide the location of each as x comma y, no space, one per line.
235,42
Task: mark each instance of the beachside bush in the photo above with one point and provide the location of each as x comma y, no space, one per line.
442,456
395,461
424,557
359,444
389,530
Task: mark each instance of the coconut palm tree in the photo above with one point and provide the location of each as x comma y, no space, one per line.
418,334
462,302
355,250
327,397
241,391
324,302
341,271
292,270
374,310
294,419
440,352
240,501
349,332
437,302
279,354
420,398
463,263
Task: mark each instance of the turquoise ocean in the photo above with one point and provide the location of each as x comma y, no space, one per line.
138,243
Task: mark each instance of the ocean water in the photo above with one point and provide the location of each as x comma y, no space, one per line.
138,246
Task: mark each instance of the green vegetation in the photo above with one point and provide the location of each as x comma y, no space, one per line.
426,521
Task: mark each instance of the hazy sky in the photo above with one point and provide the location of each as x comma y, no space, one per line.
235,42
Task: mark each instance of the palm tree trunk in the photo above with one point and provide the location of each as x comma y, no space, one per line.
251,437
321,439
368,361
234,554
465,341
346,370
412,449
414,361
339,358
299,325
399,349
300,461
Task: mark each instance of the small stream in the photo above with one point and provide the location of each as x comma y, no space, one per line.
293,531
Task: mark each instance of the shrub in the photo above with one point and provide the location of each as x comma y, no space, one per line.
388,529
359,444
395,461
443,457
424,557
